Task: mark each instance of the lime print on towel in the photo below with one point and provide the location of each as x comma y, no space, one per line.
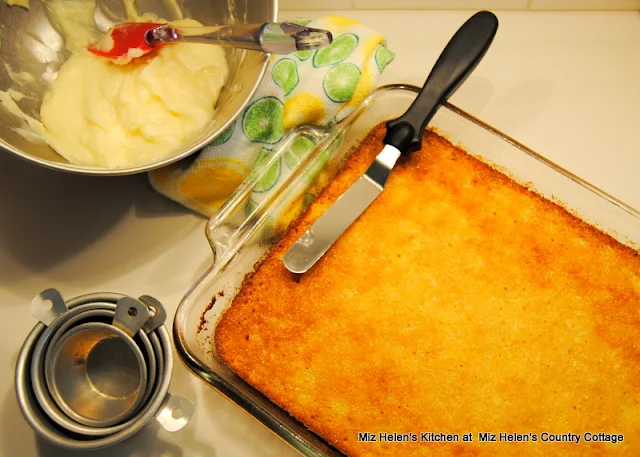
307,87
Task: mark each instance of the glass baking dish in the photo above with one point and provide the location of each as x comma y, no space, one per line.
255,216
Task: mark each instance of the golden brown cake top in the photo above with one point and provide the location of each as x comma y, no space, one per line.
458,302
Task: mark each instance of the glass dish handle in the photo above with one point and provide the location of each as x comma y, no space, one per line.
251,207
302,158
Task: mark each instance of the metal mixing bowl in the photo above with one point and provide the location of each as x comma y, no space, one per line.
29,42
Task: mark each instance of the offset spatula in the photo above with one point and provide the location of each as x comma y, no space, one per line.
404,135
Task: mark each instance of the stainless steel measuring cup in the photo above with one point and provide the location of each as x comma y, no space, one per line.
105,313
96,373
97,376
172,412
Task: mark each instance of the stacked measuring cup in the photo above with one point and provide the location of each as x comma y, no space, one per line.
96,369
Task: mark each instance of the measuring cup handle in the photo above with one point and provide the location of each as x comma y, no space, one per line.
47,306
130,315
157,313
175,413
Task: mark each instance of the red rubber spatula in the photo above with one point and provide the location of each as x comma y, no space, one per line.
128,40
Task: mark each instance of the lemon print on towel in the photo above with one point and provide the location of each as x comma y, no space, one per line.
270,177
340,82
285,75
224,136
298,149
210,181
303,55
383,57
337,51
262,121
303,108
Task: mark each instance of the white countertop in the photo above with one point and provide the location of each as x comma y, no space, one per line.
565,84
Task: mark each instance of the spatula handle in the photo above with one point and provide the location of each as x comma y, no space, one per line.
276,37
458,59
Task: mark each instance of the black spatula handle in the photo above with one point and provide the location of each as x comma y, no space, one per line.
458,59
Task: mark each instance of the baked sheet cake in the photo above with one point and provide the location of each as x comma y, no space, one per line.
462,314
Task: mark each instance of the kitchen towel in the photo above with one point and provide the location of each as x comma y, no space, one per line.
307,87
